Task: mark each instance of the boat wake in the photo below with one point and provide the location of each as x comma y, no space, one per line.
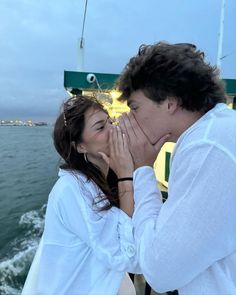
14,269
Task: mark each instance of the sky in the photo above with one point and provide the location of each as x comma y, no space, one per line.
40,39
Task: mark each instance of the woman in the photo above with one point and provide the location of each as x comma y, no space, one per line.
87,245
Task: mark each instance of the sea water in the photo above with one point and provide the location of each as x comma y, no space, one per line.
28,170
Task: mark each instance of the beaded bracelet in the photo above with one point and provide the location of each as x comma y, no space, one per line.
125,178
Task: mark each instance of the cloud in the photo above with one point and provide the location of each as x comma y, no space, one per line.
39,40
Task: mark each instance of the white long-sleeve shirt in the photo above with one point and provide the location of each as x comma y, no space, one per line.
189,242
84,250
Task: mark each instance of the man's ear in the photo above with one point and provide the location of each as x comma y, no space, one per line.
172,104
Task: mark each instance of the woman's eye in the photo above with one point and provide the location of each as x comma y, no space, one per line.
134,108
109,121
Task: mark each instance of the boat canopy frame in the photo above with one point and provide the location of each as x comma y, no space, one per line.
75,82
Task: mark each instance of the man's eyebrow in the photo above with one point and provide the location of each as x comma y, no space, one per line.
129,102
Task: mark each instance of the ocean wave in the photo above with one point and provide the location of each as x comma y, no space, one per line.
33,220
13,271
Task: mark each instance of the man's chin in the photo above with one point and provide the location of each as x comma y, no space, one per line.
152,141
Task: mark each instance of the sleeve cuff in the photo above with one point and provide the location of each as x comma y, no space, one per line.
125,229
143,168
144,177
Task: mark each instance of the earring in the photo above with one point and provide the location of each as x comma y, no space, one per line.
86,157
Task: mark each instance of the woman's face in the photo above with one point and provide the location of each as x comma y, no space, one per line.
95,137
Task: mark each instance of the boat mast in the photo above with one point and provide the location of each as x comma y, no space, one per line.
81,43
220,35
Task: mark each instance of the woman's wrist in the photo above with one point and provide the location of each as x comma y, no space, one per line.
125,186
124,172
128,178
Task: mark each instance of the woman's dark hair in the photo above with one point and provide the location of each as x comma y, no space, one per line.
67,135
177,70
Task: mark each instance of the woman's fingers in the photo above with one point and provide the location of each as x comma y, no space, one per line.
123,126
119,159
111,141
120,140
117,140
129,130
125,142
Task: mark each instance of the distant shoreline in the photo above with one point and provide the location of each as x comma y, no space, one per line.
33,125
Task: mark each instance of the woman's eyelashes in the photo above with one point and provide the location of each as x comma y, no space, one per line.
101,127
108,121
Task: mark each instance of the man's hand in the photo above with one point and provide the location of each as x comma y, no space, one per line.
143,152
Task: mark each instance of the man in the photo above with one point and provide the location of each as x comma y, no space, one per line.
189,242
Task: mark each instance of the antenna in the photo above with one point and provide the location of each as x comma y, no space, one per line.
221,32
81,42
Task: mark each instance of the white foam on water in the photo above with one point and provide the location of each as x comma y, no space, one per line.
16,266
33,220
13,270
9,290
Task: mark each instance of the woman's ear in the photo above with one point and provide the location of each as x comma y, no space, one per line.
80,148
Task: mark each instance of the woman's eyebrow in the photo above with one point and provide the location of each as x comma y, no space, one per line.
101,121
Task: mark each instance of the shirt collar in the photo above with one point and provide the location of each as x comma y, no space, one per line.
206,116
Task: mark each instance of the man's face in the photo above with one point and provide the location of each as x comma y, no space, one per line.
151,116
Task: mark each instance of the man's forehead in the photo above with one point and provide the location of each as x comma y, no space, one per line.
135,96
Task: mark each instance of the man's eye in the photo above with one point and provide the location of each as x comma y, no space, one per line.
134,108
100,128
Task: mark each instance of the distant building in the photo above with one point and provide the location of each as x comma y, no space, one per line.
40,124
15,123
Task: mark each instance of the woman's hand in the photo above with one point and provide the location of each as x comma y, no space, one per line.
120,159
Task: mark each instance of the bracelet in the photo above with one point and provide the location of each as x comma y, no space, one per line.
125,178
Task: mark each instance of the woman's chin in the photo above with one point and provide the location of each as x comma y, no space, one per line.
104,152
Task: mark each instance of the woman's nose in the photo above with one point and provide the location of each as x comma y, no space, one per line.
110,124
108,129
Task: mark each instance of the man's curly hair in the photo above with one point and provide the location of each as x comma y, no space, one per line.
163,70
